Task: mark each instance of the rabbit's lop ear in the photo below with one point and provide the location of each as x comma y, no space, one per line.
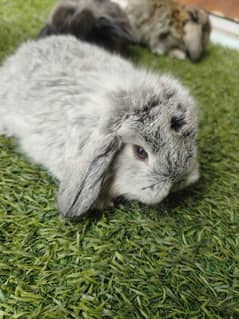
194,31
115,30
193,40
84,178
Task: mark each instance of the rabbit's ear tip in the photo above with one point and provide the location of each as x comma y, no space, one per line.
65,206
66,198
72,208
62,202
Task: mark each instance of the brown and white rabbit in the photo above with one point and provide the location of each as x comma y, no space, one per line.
101,22
101,126
169,27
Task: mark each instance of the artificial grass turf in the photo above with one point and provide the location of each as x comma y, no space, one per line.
177,260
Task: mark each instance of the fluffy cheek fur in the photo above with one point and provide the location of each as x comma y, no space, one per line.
134,181
190,178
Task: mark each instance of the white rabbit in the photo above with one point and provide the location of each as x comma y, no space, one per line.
101,126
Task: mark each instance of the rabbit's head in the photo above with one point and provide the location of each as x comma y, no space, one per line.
197,30
144,147
187,33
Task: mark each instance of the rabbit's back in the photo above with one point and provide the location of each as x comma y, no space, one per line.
58,57
51,93
57,70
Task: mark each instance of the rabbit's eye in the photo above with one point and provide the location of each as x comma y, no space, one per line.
163,36
140,153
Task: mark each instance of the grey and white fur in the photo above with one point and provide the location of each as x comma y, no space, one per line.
80,112
169,27
101,22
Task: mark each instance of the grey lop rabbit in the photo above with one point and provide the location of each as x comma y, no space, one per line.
101,126
101,22
169,27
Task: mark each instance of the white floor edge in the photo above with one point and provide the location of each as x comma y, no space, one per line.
225,32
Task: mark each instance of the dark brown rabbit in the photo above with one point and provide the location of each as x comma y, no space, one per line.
101,22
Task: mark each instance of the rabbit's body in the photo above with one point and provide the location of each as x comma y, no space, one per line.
77,79
79,111
168,27
101,22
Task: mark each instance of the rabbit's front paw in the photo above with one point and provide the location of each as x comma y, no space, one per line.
178,54
104,203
